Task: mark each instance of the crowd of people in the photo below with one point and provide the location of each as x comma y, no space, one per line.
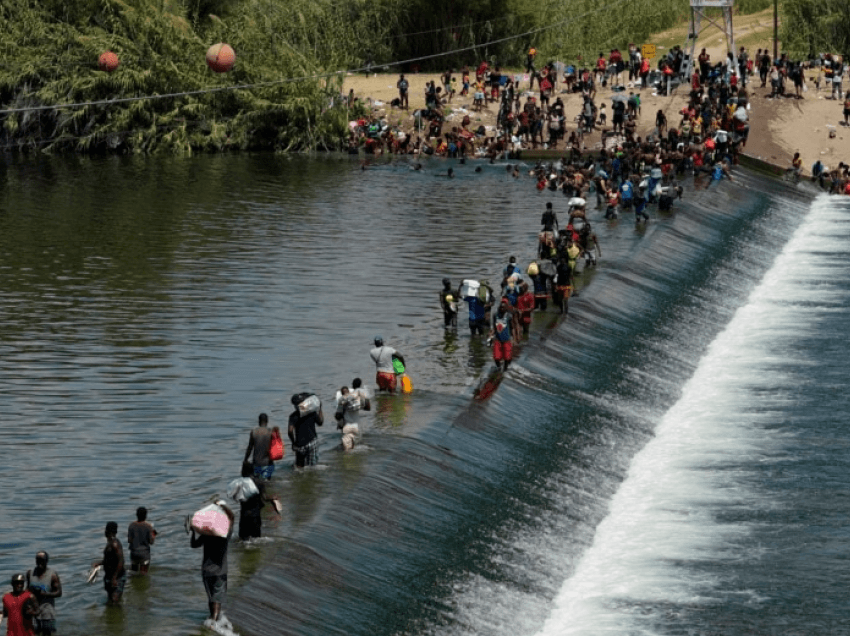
530,118
629,174
30,608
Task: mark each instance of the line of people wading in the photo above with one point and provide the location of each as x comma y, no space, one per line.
627,176
29,609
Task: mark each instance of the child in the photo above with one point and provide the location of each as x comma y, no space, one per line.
602,116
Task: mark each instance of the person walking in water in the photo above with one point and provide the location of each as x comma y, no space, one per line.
302,430
214,566
114,574
503,333
19,608
250,492
349,404
448,304
260,441
385,375
140,538
45,585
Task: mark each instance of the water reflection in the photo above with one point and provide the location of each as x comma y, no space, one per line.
153,306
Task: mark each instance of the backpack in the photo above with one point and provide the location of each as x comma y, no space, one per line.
483,294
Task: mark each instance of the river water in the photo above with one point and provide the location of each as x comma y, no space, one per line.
671,459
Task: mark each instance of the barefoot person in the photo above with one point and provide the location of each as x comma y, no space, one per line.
45,585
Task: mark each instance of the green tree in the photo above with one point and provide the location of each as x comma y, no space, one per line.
810,27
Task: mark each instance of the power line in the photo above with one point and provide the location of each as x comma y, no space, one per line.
315,76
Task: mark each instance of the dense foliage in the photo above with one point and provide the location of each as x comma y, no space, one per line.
51,56
811,27
287,54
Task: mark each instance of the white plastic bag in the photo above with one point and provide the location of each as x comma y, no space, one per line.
310,405
242,489
469,288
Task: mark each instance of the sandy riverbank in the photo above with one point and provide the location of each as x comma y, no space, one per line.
779,127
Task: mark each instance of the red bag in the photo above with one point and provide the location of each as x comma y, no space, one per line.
276,451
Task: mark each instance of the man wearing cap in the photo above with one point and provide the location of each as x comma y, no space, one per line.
385,372
140,538
114,574
19,608
45,586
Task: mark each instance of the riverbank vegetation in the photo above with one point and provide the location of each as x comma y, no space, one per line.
284,90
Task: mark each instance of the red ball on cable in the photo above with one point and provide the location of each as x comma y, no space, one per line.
221,57
108,61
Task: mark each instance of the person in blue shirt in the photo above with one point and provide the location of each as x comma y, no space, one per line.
616,166
479,307
719,171
512,267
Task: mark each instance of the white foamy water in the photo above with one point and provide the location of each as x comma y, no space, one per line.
664,518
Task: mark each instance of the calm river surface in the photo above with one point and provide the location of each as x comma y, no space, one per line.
672,459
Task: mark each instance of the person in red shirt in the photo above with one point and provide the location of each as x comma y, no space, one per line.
644,72
524,306
615,65
667,70
601,65
545,90
19,608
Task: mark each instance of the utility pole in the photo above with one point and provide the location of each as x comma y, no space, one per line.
775,29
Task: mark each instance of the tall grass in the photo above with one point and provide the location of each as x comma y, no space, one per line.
810,27
51,59
50,52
